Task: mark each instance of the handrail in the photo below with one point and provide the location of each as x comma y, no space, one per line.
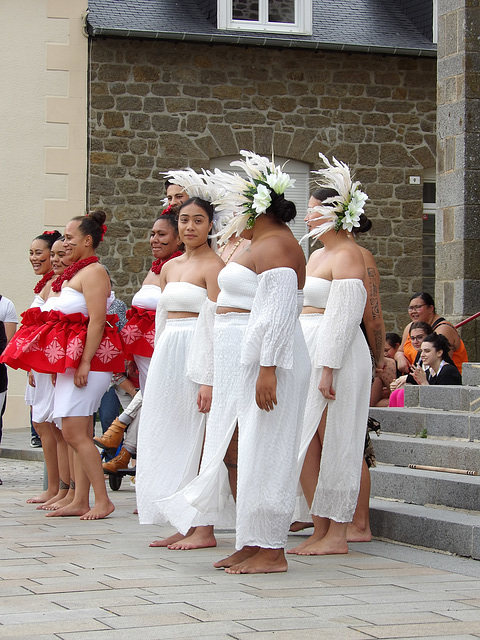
460,324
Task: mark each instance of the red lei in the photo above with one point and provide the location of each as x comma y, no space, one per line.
41,283
71,271
158,264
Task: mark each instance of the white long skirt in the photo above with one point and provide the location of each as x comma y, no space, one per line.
267,446
341,463
70,401
171,429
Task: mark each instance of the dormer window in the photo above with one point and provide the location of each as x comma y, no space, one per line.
274,16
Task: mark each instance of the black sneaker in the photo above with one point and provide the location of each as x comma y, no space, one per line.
35,442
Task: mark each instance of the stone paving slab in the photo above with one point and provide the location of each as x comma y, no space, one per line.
67,579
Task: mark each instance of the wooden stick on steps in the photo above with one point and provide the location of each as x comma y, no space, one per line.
424,467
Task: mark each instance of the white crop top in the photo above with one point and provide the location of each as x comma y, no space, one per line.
147,297
238,286
38,301
183,296
71,301
316,292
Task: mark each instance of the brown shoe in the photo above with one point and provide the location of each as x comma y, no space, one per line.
112,437
119,462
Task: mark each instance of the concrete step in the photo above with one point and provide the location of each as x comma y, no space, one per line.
446,424
441,529
416,486
445,398
404,450
471,373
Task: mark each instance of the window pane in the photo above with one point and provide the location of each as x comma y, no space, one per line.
245,10
281,11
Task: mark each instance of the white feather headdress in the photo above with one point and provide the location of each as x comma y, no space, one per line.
251,196
342,211
203,185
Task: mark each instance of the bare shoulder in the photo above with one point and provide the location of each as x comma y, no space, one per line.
348,262
368,257
281,250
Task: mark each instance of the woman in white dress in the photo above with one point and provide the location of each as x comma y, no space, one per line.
138,336
64,496
337,407
178,388
39,391
261,374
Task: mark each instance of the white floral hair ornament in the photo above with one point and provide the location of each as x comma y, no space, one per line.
342,211
251,196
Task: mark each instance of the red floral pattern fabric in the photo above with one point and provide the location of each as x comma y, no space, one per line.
138,335
51,342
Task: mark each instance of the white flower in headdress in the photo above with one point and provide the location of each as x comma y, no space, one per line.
262,199
342,211
251,196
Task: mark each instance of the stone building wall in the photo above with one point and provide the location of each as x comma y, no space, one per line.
159,105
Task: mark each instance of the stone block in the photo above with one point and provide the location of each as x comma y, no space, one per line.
128,103
113,73
434,528
411,395
140,121
471,373
165,123
103,158
401,450
416,486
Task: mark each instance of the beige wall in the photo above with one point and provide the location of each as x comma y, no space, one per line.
43,120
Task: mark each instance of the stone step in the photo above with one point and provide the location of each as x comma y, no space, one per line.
416,486
404,450
441,529
471,373
445,398
446,424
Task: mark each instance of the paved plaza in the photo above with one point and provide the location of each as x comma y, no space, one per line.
70,579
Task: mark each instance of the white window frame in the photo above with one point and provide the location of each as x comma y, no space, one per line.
302,24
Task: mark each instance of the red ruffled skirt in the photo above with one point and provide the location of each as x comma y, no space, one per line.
52,341
138,334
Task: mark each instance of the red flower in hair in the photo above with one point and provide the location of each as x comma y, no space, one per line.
104,230
167,210
48,233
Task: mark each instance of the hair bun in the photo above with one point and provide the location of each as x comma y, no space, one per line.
365,224
282,209
99,216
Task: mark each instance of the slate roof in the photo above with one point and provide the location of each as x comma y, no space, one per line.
377,26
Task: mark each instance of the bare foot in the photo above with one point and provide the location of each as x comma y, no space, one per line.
354,534
71,509
315,537
170,540
324,547
99,511
264,561
201,538
300,526
63,502
42,498
60,495
236,558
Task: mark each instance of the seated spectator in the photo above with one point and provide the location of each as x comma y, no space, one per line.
418,331
441,369
384,377
422,307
